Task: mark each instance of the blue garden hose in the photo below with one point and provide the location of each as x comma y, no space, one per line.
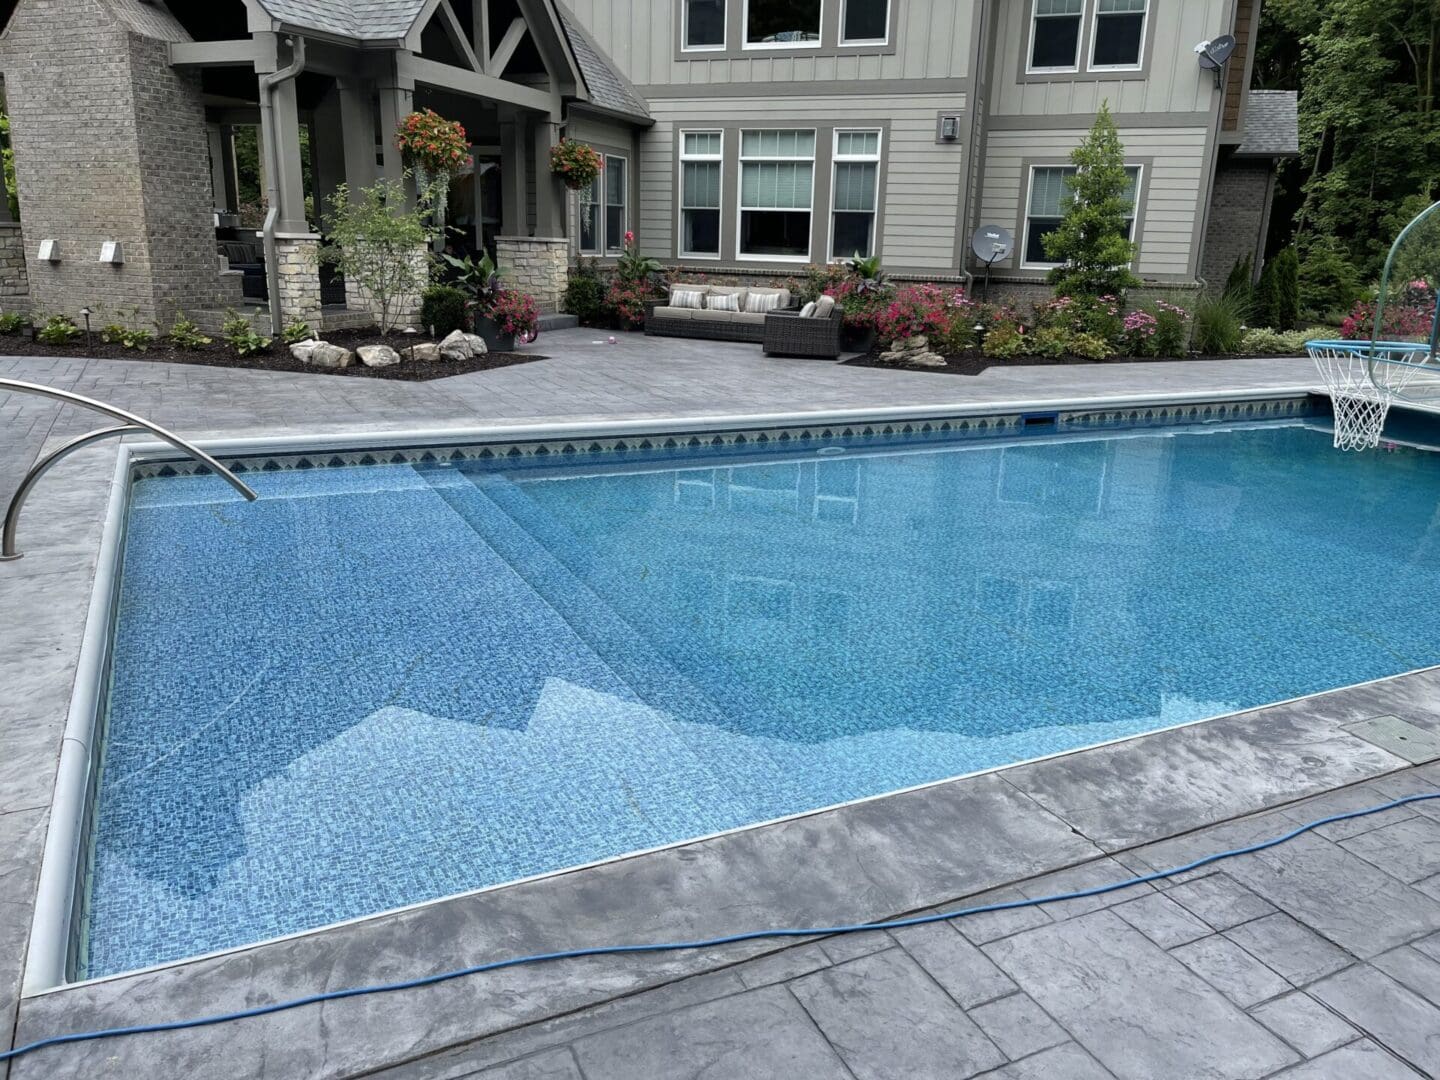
673,946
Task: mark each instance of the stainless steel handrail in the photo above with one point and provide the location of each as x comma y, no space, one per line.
132,423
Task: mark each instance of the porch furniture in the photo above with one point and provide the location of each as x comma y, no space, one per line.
247,257
742,323
788,333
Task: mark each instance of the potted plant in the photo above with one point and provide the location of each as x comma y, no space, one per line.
511,314
633,294
575,163
436,149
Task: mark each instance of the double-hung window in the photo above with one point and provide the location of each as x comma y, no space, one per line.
604,210
857,178
864,22
700,159
778,24
704,24
1119,33
1055,35
777,174
1046,209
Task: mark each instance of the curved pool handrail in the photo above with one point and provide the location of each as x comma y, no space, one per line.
131,424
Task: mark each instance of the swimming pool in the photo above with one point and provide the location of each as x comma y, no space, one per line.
422,674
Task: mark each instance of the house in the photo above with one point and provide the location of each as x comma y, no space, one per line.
740,137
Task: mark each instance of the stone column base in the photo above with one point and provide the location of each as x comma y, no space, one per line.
297,257
538,265
14,283
405,310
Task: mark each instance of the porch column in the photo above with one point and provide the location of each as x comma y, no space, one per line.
215,135
549,190
513,219
397,100
280,130
357,123
327,152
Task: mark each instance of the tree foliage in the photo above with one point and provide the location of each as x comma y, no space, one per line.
377,241
1091,243
1277,300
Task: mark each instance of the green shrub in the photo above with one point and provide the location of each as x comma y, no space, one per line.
1219,324
1277,301
1092,244
818,280
1241,276
585,293
373,236
111,333
1268,342
1005,341
297,330
12,322
443,308
241,336
1328,284
1051,341
185,334
57,330
1172,328
959,335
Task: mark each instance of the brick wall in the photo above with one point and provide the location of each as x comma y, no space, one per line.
110,144
535,265
14,285
1238,212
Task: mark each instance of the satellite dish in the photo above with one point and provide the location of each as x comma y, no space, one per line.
1214,54
991,243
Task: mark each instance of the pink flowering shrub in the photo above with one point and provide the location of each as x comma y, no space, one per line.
1139,331
1408,316
915,311
515,313
626,299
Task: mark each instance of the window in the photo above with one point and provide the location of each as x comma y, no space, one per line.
782,23
1119,33
857,176
865,22
1055,35
615,184
704,23
700,156
1048,196
590,243
777,172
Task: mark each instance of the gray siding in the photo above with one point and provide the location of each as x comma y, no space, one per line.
920,178
931,40
1170,200
609,137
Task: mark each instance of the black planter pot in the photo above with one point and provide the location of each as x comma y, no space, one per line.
495,339
856,339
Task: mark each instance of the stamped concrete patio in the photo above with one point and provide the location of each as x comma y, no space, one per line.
1317,959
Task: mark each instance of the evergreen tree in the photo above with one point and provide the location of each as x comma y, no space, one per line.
1091,244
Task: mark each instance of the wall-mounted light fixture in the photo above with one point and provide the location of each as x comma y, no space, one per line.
949,128
49,251
111,253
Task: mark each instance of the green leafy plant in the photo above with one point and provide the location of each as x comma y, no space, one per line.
296,330
1172,328
374,240
57,330
1090,243
585,293
442,309
632,267
1277,300
819,280
480,281
1328,282
626,301
867,269
1241,281
1219,324
12,322
1005,340
185,334
129,334
515,313
241,336
1264,341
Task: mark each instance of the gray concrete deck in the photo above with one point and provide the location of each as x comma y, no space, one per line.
1321,959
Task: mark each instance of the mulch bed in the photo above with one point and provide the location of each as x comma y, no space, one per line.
279,358
974,363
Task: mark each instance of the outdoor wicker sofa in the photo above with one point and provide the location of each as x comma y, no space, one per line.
670,320
789,333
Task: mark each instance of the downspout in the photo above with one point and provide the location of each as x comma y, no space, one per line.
978,72
268,83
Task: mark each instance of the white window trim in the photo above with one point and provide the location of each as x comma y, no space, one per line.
605,209
1030,190
836,158
766,46
1035,18
686,47
718,159
871,42
1139,64
740,207
598,251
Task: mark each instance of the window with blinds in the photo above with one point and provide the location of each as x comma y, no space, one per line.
777,172
1049,196
1055,35
1119,33
616,185
701,153
855,193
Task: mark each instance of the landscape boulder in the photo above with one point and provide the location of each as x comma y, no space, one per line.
456,346
377,355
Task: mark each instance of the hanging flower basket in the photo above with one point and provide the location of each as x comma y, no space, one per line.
575,163
436,149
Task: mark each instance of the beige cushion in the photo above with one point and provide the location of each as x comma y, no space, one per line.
763,300
664,311
712,315
824,306
740,291
724,300
688,296
807,310
749,317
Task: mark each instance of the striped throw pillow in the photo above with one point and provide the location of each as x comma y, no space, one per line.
723,301
808,310
757,303
687,298
824,306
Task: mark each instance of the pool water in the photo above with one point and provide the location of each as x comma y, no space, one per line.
381,685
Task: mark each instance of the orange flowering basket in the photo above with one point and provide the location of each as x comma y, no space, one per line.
429,142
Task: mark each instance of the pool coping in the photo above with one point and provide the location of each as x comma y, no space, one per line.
53,926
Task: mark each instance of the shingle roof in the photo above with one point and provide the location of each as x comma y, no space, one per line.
608,88
1272,124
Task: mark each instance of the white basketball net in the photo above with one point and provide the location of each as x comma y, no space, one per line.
1361,397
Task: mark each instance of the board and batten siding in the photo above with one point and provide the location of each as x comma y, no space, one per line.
931,41
1171,190
1171,82
920,178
